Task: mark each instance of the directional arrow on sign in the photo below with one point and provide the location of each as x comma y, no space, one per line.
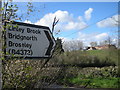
28,40
48,52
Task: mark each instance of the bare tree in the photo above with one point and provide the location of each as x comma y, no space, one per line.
54,23
116,32
73,45
108,41
93,44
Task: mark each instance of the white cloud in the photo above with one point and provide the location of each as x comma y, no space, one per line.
88,13
63,16
109,22
80,18
75,25
87,38
64,39
101,36
66,21
26,21
47,20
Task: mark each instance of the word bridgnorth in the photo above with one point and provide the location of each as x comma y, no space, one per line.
22,30
21,37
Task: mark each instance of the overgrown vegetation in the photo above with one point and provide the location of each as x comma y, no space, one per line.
93,58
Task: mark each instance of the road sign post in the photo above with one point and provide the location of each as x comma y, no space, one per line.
28,40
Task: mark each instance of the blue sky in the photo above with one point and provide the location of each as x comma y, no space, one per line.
73,17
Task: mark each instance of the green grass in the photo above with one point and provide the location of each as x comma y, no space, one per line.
110,82
91,77
96,82
101,54
110,54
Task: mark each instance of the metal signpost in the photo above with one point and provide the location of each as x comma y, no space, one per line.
28,40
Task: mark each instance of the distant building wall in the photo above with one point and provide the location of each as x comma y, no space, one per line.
105,47
101,47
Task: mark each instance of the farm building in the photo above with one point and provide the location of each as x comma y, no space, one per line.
101,47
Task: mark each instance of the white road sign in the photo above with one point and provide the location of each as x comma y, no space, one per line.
28,40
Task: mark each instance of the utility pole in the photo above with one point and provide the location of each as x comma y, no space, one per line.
0,46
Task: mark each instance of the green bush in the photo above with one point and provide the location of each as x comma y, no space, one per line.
92,58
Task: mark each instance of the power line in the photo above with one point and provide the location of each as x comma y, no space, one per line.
90,24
